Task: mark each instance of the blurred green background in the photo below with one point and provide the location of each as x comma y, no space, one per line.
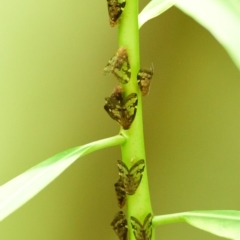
52,92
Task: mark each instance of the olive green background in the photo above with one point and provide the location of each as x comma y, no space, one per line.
52,92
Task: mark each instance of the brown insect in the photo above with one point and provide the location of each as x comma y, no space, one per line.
120,226
120,192
122,110
119,66
115,9
144,78
142,231
132,177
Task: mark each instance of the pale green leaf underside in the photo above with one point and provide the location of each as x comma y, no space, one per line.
223,223
22,188
220,17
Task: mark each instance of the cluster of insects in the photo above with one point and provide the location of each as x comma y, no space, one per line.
123,110
127,184
129,180
140,231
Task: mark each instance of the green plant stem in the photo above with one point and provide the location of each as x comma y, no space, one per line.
139,204
168,218
104,143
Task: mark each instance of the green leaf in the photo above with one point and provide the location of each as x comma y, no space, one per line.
153,9
221,18
22,188
223,223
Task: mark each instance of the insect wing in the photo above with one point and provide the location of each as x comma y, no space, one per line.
110,65
113,104
116,61
113,108
122,169
131,178
142,232
120,192
115,10
119,66
123,74
147,226
130,104
144,80
134,176
119,225
129,110
122,57
137,229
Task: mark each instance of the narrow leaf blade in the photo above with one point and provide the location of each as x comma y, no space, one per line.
223,223
22,188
